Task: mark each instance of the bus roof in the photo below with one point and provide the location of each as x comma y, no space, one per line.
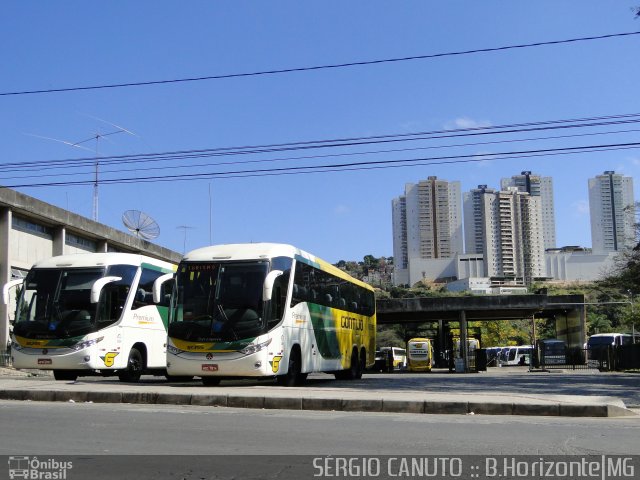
80,260
254,251
612,334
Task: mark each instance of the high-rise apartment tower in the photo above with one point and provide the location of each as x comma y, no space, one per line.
506,227
611,204
427,224
537,186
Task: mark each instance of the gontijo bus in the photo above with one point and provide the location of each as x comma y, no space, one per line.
91,312
419,355
258,310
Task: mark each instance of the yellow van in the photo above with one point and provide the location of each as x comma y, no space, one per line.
419,355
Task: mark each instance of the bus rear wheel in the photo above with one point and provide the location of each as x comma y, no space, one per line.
354,371
135,366
68,375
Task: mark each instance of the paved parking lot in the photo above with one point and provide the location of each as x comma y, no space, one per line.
515,380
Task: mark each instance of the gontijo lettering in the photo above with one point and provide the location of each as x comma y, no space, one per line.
351,323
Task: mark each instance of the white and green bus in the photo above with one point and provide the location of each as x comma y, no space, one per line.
267,310
91,313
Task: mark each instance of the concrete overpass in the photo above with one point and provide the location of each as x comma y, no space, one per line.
568,311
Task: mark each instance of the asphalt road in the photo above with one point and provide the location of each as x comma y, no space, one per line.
121,429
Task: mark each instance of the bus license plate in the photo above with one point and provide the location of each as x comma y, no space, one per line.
44,361
209,367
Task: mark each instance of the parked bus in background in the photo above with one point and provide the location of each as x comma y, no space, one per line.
599,345
91,312
419,355
259,310
472,345
396,358
518,355
552,351
603,340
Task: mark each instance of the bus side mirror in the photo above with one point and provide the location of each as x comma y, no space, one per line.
99,284
8,286
157,286
267,288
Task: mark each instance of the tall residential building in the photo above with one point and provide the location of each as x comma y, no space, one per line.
474,219
506,227
537,186
427,224
611,203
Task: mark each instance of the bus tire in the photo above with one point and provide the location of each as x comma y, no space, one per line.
68,375
135,366
354,371
178,378
211,381
294,375
362,364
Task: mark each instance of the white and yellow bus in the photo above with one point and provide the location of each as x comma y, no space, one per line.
90,313
259,310
419,355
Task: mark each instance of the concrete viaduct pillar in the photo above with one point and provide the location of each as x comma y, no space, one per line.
463,341
5,273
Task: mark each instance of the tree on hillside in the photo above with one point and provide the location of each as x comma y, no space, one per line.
618,290
598,323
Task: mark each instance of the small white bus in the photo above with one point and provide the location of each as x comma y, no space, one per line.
518,355
396,357
90,313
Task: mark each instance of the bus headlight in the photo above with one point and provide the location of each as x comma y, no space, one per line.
16,346
86,344
173,350
255,347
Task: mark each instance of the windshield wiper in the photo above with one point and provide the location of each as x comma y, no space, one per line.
226,323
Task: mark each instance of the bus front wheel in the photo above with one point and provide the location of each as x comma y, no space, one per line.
135,366
294,375
210,381
69,375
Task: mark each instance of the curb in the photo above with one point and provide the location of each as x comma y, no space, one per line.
321,404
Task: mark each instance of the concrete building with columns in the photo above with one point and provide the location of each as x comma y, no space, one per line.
32,230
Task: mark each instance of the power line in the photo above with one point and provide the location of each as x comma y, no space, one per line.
450,159
306,157
321,67
606,120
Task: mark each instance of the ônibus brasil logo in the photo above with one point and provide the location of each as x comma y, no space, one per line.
35,469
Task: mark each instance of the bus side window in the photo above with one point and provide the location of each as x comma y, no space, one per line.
112,301
144,292
278,299
300,284
114,295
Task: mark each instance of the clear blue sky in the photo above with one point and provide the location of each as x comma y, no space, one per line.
343,215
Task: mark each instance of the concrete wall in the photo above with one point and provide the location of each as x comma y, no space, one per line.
32,230
578,266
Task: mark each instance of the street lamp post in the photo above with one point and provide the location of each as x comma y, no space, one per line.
633,320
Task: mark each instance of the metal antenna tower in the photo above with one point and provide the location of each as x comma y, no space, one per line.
185,228
97,137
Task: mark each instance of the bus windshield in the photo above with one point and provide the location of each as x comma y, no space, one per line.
218,301
56,303
600,341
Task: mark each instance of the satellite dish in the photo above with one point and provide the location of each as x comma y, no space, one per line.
140,224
